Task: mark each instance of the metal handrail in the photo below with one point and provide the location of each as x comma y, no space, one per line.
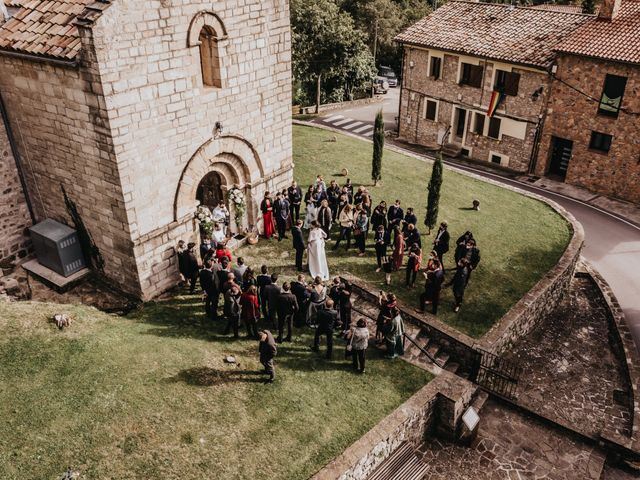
423,350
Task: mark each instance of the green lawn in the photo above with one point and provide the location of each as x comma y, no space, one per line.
149,397
520,239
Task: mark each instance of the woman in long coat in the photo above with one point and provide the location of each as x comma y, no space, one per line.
398,249
266,207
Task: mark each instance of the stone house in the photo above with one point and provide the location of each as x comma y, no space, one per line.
142,108
465,55
591,136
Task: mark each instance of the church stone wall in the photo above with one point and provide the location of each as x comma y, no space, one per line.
59,122
14,213
162,116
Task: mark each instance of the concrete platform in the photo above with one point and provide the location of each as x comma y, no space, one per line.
54,279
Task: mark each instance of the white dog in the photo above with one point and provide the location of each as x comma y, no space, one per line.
61,320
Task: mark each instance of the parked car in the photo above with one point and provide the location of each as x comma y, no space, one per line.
388,74
380,85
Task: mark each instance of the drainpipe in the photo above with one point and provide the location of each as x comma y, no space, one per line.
404,77
16,156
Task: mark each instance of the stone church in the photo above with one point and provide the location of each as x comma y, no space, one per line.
140,109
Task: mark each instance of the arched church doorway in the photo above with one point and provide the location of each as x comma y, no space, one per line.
210,192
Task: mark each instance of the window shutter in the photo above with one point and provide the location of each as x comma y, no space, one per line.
512,81
475,79
494,127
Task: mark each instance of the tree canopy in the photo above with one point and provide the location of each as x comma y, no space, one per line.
327,45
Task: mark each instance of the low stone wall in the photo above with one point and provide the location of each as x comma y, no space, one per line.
623,340
438,405
543,298
297,110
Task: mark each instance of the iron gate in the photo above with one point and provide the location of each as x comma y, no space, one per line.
496,374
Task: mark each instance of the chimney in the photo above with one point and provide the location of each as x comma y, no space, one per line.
608,9
4,13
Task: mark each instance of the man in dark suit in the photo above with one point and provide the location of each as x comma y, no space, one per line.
324,217
327,319
295,199
262,281
271,294
395,215
333,196
441,242
287,305
302,293
268,350
412,236
208,284
281,212
298,244
191,267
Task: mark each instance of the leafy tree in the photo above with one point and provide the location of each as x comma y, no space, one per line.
382,20
433,199
327,48
589,6
378,148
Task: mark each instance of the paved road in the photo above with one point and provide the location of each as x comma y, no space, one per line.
611,244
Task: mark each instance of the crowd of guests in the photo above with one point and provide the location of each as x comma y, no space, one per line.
259,302
396,240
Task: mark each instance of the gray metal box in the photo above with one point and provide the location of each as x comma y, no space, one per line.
57,247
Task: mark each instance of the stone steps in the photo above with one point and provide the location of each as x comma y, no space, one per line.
403,464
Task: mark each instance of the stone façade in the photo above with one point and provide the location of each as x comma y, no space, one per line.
14,212
130,131
523,110
573,116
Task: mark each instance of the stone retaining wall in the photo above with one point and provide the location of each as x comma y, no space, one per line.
439,405
624,341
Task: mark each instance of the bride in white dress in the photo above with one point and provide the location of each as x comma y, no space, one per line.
317,258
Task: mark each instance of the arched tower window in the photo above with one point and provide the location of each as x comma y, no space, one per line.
210,58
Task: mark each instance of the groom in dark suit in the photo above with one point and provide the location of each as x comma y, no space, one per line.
281,210
298,243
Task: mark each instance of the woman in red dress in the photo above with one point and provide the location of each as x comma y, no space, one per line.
398,249
267,215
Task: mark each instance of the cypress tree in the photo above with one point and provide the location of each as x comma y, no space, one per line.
378,147
433,199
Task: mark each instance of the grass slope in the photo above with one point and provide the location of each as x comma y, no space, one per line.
520,239
150,397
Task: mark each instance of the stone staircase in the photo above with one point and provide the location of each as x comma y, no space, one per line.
403,464
436,358
451,150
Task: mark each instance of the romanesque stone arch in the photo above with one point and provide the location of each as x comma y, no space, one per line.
202,19
233,157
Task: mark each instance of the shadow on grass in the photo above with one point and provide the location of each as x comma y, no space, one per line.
209,377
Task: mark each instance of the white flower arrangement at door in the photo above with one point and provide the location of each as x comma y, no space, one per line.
237,199
205,220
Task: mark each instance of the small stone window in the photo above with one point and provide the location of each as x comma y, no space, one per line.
210,58
600,142
507,82
494,128
471,75
430,110
478,123
435,68
612,93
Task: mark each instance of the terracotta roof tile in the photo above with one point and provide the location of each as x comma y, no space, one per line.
46,27
497,31
617,40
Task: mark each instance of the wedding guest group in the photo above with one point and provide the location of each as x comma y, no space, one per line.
262,305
